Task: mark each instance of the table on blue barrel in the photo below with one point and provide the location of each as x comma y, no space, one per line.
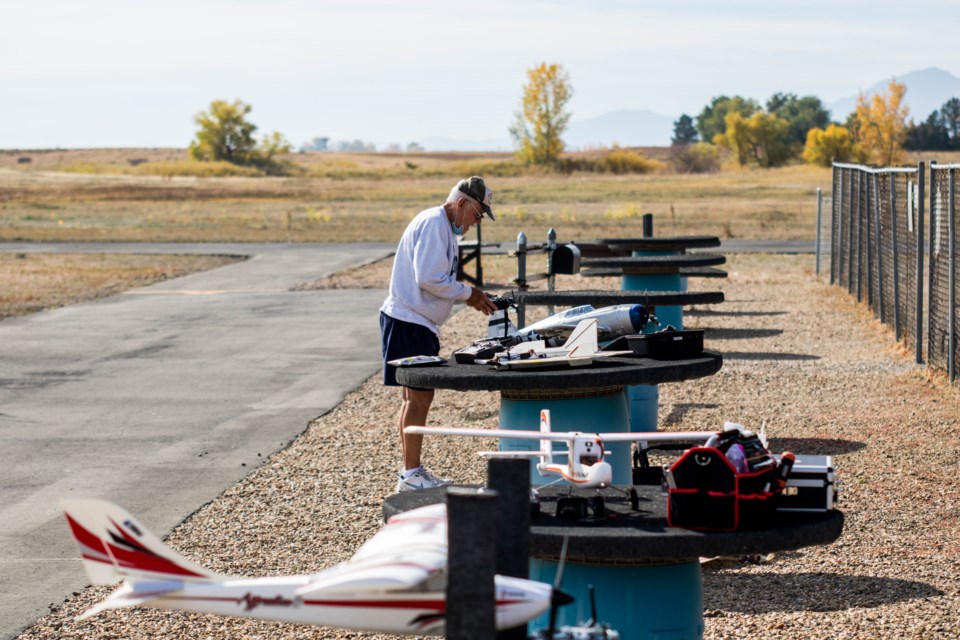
656,264
589,399
646,574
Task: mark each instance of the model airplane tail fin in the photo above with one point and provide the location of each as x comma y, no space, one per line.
499,325
114,545
582,343
546,446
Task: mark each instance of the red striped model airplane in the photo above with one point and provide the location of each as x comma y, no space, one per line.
394,583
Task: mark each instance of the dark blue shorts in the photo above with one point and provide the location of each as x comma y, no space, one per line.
399,339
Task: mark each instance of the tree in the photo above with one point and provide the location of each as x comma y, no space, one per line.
712,120
683,131
317,144
226,135
825,146
950,116
881,125
931,135
760,139
542,119
802,114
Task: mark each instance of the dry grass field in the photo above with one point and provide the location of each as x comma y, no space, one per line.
372,199
31,282
113,195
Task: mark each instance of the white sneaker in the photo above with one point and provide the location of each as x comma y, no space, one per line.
422,478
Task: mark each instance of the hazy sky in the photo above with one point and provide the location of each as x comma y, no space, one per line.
99,73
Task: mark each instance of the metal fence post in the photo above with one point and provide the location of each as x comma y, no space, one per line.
930,256
521,277
951,277
921,177
836,227
471,533
819,204
878,235
551,247
896,257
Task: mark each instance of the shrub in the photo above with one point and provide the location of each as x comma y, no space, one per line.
695,158
836,143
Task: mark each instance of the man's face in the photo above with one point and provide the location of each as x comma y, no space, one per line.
471,213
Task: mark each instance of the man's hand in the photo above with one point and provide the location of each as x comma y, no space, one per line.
479,301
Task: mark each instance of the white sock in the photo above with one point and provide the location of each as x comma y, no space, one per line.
409,472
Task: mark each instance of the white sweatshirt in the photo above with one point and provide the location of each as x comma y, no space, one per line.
423,286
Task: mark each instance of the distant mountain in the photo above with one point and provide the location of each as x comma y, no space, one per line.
627,128
927,90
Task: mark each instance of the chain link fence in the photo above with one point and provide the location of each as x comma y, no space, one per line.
877,243
942,347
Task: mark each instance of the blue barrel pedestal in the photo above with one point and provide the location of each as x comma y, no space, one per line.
642,602
589,410
645,399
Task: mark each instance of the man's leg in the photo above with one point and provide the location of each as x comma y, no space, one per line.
413,412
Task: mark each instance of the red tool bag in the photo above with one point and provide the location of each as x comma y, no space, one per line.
707,492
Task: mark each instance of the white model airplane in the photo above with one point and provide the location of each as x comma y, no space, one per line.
395,582
612,322
579,350
585,466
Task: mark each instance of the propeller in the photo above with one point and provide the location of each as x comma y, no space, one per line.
558,598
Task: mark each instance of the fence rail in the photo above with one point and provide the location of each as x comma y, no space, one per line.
877,249
876,243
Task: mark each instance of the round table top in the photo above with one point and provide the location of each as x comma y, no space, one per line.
643,536
669,263
675,243
604,372
604,297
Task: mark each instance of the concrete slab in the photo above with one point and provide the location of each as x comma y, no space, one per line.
161,398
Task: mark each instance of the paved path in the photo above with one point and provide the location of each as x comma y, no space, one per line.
161,398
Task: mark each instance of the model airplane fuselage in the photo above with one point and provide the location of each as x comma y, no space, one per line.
612,322
585,465
395,583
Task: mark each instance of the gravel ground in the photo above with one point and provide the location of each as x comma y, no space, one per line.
799,355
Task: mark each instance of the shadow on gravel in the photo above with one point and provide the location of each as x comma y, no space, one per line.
739,334
766,355
816,446
680,409
772,592
735,314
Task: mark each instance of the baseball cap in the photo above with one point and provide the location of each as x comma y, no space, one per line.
476,189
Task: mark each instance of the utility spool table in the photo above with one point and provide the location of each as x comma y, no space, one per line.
589,399
646,574
656,264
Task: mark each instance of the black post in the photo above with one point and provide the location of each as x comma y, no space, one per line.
921,177
510,478
471,531
648,225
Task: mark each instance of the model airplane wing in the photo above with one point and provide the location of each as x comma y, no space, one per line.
493,433
657,436
409,550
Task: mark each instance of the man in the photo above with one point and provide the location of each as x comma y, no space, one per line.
423,290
